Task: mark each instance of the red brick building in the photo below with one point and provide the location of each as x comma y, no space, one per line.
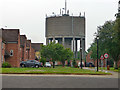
23,41
89,59
30,51
15,47
32,54
37,48
11,44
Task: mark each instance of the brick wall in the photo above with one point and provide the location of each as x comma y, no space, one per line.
32,54
13,60
25,56
21,54
15,46
89,59
18,59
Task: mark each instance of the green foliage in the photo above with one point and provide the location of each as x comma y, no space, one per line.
6,65
43,60
74,63
66,54
108,41
55,51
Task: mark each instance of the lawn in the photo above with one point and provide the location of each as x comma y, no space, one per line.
56,70
116,70
111,69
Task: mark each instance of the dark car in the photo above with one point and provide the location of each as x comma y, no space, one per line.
90,64
31,63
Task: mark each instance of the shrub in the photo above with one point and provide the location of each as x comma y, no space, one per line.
6,65
43,60
74,63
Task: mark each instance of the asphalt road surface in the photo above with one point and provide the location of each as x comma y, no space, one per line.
60,81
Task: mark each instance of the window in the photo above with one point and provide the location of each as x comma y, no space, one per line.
11,52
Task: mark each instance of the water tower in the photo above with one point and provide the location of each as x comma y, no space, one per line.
67,30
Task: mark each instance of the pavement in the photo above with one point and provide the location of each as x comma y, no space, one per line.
114,74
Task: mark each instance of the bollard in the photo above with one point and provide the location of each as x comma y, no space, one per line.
108,67
95,69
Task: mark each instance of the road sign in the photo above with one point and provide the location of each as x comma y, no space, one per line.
102,57
106,55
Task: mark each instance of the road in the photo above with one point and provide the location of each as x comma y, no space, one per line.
58,81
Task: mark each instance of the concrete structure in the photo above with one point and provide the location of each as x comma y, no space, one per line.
66,30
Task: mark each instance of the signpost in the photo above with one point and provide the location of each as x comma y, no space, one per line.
102,58
106,57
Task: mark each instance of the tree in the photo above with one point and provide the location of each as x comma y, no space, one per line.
56,51
43,60
108,38
108,41
51,51
66,54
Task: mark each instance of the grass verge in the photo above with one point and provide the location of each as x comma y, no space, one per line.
56,70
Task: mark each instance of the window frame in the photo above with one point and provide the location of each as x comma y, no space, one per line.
11,53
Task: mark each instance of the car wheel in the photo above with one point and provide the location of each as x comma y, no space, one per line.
37,66
22,65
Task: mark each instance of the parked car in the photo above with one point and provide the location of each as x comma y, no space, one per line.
31,63
47,64
90,64
79,64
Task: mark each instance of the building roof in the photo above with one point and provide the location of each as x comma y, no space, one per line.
23,40
10,35
37,46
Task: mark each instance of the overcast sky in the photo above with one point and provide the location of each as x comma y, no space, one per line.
29,15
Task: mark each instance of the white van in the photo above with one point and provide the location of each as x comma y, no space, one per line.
47,64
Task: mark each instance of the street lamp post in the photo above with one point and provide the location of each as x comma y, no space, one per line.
97,52
97,37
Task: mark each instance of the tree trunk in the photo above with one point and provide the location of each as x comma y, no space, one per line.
63,63
115,65
53,64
